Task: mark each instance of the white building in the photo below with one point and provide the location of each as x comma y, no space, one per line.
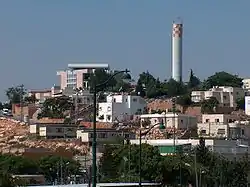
246,84
247,105
120,107
223,126
227,96
179,121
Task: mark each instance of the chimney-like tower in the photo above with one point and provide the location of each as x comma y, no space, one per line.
177,51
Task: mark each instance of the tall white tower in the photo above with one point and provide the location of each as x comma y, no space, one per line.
177,51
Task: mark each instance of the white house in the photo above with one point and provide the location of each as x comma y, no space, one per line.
226,96
120,107
179,121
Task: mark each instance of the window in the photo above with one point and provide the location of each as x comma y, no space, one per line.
100,108
224,97
207,120
203,131
108,117
126,100
134,100
114,100
59,129
242,132
181,120
126,136
221,131
217,120
102,135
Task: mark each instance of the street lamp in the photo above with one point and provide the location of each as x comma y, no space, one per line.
161,127
94,167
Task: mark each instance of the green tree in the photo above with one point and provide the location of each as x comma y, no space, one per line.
184,100
101,76
17,165
121,163
51,166
240,103
140,89
194,81
30,99
175,88
222,79
209,105
15,94
56,107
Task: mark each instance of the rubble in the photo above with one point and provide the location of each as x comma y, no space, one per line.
14,137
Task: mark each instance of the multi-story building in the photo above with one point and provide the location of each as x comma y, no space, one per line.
223,126
75,78
54,130
179,121
120,107
104,134
226,96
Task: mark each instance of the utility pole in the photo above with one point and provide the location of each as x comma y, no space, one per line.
174,111
21,102
76,106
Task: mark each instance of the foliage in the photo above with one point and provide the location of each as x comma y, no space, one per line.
184,100
151,87
194,81
209,105
222,79
55,107
49,166
15,94
240,103
30,99
121,163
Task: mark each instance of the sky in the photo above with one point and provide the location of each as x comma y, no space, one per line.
38,38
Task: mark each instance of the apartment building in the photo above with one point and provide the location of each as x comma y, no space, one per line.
120,107
227,96
54,130
179,121
75,78
104,134
223,126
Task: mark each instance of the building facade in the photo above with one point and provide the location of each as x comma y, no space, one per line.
223,126
75,78
42,95
54,130
179,121
104,135
120,107
226,96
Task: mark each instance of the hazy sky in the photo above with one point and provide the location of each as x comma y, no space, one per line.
37,38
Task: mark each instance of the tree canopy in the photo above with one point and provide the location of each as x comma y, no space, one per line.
222,79
55,107
49,166
121,163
